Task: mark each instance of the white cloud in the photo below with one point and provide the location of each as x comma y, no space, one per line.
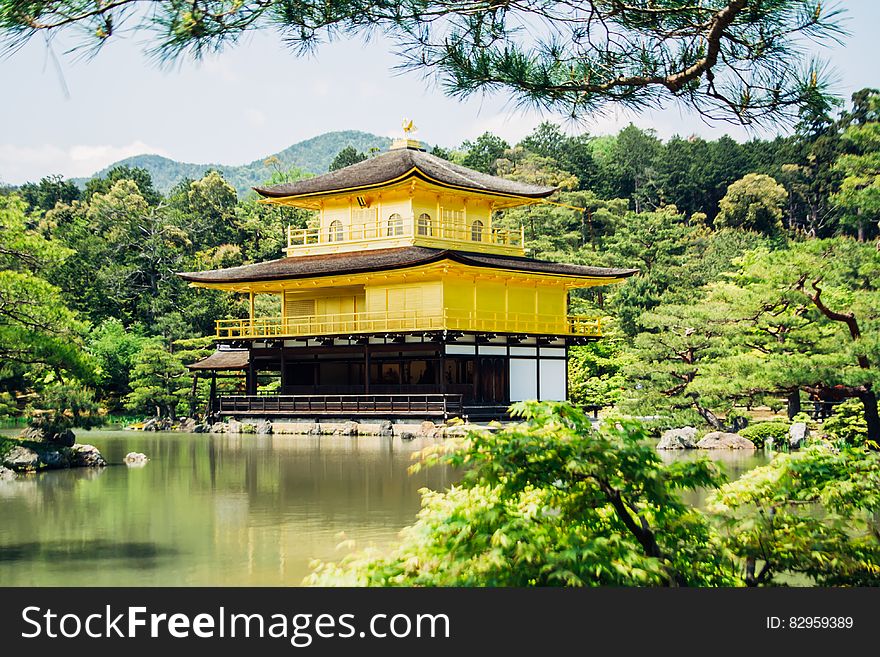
254,117
19,164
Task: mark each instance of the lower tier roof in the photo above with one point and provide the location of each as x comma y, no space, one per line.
390,259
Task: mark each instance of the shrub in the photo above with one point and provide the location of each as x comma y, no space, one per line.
847,423
759,433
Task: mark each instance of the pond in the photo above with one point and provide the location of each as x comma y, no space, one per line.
217,510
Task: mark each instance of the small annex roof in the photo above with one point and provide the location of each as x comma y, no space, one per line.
388,259
397,166
222,360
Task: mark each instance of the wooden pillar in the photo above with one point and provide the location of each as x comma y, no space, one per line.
212,396
192,395
477,396
367,368
283,368
251,386
251,309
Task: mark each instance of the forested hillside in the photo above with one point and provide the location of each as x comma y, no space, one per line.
758,284
310,156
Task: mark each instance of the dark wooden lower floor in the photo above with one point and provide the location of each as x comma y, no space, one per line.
427,375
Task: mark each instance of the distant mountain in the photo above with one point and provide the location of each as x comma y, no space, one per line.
312,155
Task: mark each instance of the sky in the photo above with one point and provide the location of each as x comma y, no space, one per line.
71,116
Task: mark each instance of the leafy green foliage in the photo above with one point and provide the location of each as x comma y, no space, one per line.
62,407
753,203
760,432
157,381
346,157
810,515
553,501
847,423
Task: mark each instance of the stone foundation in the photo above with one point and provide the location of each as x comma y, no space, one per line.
402,430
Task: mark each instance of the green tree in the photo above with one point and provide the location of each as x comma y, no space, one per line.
46,194
157,381
859,193
754,202
805,319
36,329
346,157
139,176
484,153
812,515
114,349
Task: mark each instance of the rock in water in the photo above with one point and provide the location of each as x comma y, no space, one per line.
684,438
264,427
86,456
135,460
65,438
187,425
219,427
22,459
348,429
797,434
55,459
723,440
6,474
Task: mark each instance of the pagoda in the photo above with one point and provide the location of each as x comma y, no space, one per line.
406,298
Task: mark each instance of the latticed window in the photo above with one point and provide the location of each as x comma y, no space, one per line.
395,225
477,231
424,224
335,233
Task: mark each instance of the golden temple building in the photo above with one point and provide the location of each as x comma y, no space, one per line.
405,299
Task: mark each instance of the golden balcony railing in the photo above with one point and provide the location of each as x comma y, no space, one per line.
408,320
465,234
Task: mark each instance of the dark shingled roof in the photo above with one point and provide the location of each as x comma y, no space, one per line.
223,359
394,164
387,259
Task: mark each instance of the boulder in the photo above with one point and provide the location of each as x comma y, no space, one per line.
684,438
135,460
56,459
64,438
386,428
153,424
202,427
187,425
6,474
22,459
407,435
428,429
263,427
348,429
219,427
797,434
86,456
724,440
233,426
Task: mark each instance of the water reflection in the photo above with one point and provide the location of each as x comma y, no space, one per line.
208,510
221,510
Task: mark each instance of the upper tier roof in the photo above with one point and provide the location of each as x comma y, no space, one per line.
398,165
387,259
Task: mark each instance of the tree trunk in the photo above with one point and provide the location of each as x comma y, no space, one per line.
710,417
794,403
869,401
